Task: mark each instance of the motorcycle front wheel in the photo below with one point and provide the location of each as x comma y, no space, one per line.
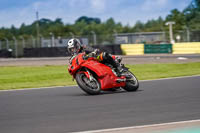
132,83
90,87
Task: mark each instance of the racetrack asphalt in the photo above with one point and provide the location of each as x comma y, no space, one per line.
68,109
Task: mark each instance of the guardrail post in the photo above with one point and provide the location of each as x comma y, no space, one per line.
15,42
0,45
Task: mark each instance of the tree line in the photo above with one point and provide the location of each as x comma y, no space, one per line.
189,18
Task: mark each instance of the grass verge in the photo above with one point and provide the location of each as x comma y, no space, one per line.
43,76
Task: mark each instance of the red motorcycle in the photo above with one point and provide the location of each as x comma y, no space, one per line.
94,77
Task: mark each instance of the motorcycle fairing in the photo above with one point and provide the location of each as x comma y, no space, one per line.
107,78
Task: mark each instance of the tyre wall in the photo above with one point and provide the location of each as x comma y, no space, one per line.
186,48
176,48
132,49
140,49
158,48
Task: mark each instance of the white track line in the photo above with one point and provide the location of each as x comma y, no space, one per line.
170,78
37,88
138,127
76,85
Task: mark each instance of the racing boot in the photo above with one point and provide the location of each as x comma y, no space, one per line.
119,70
108,58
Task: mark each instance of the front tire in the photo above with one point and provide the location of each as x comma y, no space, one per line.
132,83
90,87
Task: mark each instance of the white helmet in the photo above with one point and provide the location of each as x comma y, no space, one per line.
73,46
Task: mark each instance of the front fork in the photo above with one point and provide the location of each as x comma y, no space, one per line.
88,74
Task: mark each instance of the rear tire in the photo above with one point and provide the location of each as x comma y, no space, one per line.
132,83
90,87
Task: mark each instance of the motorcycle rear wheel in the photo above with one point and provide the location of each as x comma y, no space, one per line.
132,83
90,87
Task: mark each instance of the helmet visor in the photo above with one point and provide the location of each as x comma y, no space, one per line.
72,50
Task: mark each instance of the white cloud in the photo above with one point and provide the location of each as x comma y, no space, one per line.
76,3
152,5
98,6
161,2
37,5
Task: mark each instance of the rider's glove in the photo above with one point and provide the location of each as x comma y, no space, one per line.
95,52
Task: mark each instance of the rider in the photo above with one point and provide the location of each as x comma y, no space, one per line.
75,47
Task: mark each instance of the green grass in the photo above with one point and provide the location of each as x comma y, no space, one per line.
156,71
44,76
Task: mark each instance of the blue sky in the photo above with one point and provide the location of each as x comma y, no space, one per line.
17,12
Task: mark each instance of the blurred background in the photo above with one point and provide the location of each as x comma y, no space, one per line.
38,28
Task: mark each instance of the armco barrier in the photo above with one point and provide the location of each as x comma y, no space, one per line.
186,48
106,48
62,51
132,49
157,48
117,50
112,49
5,53
45,52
